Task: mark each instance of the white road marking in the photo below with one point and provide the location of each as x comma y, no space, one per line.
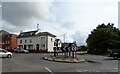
49,70
82,71
87,71
79,71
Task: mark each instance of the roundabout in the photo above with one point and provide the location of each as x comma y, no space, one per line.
65,60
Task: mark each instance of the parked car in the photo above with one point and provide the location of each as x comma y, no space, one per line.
18,50
115,53
5,53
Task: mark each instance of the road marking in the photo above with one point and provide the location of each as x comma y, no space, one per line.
79,71
82,71
49,70
87,71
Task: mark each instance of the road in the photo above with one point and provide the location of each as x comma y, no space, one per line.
33,62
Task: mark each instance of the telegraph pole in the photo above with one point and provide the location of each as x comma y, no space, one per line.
64,37
65,54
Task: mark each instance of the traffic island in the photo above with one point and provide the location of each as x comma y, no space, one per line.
63,59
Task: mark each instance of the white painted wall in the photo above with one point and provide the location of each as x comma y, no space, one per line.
34,41
38,40
50,43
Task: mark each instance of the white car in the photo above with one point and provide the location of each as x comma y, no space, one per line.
5,53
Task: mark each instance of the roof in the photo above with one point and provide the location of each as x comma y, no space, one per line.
3,32
45,34
33,33
27,34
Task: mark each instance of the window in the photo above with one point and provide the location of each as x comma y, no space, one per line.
22,34
31,33
51,39
43,45
4,51
42,38
54,43
6,42
30,40
5,47
25,41
20,41
58,43
8,36
30,47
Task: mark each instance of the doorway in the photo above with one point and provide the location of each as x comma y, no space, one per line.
37,47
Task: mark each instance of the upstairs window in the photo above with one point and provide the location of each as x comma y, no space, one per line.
43,38
51,39
31,33
25,41
30,40
22,34
20,41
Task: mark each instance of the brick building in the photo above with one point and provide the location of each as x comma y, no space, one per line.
8,41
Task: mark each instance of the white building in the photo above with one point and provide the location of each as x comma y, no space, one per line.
36,40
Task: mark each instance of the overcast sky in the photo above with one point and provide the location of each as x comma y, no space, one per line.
75,18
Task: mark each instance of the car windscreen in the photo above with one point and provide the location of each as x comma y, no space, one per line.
116,50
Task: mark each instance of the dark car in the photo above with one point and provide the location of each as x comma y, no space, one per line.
18,50
115,53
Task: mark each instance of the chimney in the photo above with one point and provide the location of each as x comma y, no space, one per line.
37,26
20,31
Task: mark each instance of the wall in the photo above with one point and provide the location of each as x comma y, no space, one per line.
50,43
35,40
13,44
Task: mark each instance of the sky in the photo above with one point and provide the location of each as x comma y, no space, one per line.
73,18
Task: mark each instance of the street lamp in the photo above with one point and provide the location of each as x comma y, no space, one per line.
64,37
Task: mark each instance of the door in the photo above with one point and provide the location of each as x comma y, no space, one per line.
25,47
37,47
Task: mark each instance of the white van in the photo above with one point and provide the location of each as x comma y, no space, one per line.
5,53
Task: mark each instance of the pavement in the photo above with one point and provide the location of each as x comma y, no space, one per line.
33,62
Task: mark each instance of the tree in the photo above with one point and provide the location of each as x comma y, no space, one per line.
102,38
82,48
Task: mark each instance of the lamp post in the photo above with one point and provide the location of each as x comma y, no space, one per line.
64,37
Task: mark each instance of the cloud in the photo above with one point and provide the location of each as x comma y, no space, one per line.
79,37
74,18
119,14
67,25
25,14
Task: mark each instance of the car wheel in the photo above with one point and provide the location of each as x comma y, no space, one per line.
115,58
23,52
9,56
